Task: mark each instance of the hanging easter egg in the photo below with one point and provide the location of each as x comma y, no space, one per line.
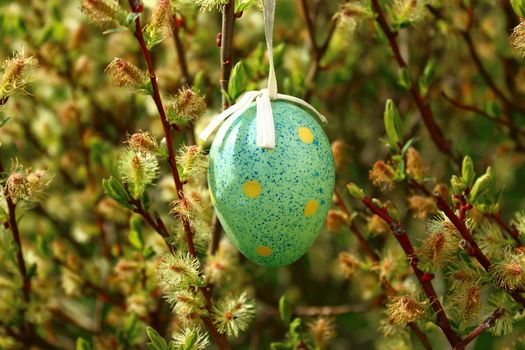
272,202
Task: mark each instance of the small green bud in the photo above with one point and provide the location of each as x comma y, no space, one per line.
481,186
356,191
427,77
404,79
393,124
457,184
467,171
285,310
135,233
237,83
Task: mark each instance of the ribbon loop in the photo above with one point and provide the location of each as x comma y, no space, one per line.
269,15
263,98
264,115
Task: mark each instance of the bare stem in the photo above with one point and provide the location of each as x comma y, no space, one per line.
183,64
228,21
510,229
424,108
318,51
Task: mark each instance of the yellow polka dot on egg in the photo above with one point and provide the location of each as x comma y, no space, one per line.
252,188
306,135
310,208
263,250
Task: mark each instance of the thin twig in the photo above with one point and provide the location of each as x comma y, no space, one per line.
427,115
510,229
183,64
337,309
488,323
228,21
26,279
318,51
476,110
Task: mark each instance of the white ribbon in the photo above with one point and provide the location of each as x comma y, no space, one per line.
263,98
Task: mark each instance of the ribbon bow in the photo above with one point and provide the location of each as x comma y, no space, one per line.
263,98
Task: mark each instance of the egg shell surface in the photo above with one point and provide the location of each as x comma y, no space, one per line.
272,202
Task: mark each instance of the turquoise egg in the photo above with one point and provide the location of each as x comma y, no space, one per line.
272,202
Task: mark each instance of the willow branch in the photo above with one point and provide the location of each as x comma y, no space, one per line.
183,64
427,115
228,21
181,52
26,279
220,339
510,229
488,323
424,279
374,258
337,310
472,248
318,51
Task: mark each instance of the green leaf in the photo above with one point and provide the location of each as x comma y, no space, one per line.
278,53
427,77
114,189
31,271
519,7
480,187
467,171
237,82
145,201
407,145
281,346
135,235
132,16
156,341
404,79
458,186
285,310
115,30
355,191
199,81
83,344
393,124
153,36
242,5
190,341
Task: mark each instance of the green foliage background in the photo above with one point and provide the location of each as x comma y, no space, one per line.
357,75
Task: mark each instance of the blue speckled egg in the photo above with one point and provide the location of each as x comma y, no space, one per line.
272,202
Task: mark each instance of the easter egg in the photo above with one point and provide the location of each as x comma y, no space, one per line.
272,202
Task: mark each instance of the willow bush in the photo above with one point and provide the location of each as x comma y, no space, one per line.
109,240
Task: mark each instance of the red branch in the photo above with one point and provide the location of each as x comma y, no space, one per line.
511,230
220,339
401,236
472,248
424,108
488,323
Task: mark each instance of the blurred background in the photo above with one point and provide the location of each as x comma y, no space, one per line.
72,121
